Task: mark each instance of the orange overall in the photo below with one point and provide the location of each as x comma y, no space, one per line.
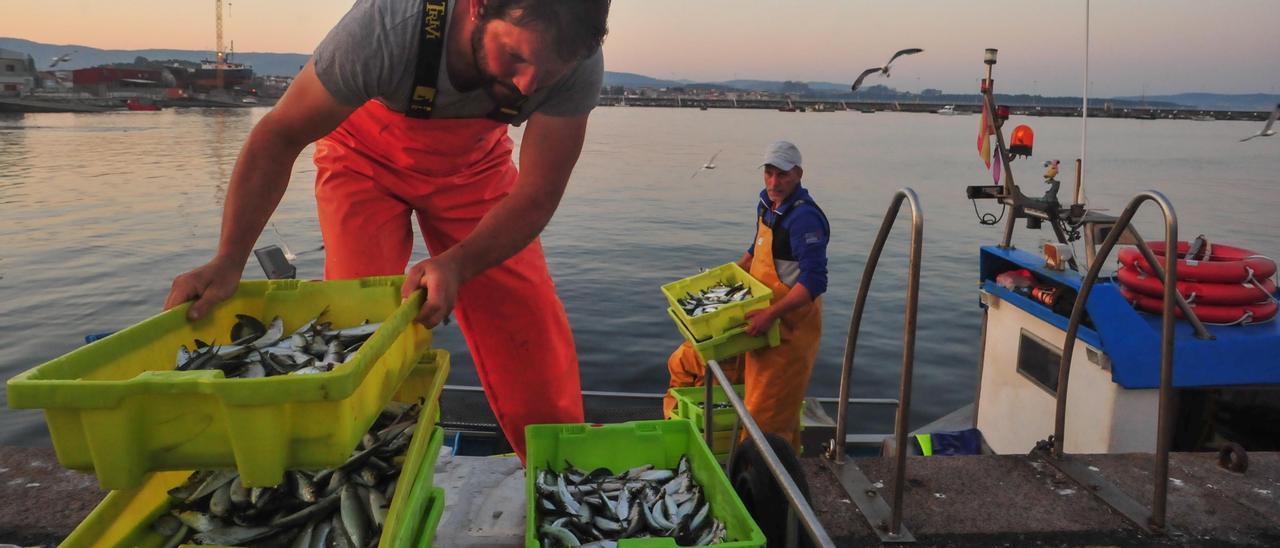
380,166
776,378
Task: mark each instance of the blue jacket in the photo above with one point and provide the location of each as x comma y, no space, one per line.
800,236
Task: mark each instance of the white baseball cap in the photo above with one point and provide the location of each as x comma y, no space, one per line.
781,154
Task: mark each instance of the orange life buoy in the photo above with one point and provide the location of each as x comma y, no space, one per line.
1226,264
1198,292
1219,314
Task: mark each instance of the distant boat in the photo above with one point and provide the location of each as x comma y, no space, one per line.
867,110
249,100
136,104
950,110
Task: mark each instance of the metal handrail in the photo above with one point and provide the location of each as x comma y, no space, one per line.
799,506
1166,405
908,342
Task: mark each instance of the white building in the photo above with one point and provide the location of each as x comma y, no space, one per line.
17,73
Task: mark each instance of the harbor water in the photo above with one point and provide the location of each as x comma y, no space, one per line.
98,212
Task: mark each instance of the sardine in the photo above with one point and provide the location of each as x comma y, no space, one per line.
354,516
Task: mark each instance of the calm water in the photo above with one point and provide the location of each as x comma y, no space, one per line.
99,211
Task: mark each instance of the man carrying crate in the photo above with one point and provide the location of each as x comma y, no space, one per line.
789,254
408,102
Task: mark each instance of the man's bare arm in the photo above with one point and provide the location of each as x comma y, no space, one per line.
306,113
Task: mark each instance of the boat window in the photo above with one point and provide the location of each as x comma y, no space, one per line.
1038,361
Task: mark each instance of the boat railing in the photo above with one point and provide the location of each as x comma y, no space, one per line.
1153,520
889,528
798,507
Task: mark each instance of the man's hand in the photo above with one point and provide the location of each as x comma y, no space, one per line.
441,277
759,321
207,286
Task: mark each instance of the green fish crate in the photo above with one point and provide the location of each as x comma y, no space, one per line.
620,447
717,323
721,440
435,509
118,408
731,343
689,406
123,518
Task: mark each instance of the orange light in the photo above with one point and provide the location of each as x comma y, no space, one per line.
1022,142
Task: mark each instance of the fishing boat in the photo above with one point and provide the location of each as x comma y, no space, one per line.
141,105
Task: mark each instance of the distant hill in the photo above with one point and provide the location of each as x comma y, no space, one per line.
631,80
776,86
277,64
1217,101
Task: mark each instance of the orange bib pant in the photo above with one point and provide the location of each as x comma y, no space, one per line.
380,166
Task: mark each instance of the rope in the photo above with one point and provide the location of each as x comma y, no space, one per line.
1255,283
988,218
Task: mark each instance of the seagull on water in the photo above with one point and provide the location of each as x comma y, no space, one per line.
711,164
883,70
1266,130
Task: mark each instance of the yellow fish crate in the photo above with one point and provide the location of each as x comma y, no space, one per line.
118,408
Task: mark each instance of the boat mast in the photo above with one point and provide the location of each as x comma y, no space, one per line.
1084,111
219,56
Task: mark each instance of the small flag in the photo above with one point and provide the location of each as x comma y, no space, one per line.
984,135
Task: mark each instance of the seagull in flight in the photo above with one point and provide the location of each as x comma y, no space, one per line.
711,164
1266,130
66,57
883,70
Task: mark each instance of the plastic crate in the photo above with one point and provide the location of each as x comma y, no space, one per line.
729,344
627,445
721,440
431,520
727,317
124,517
689,405
118,408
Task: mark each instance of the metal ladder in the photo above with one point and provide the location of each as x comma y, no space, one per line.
1153,520
886,522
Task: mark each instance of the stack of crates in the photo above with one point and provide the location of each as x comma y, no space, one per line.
722,333
117,408
723,421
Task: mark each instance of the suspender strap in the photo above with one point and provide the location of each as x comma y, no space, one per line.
426,75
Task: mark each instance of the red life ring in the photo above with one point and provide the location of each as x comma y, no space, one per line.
1226,264
1198,292
1219,314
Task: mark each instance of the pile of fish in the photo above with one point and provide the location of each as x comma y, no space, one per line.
344,506
258,350
712,298
598,508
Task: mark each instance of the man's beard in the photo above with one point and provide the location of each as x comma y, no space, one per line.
502,93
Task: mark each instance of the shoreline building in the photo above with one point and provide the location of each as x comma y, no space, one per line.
17,73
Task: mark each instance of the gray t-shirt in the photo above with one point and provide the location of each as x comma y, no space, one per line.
372,54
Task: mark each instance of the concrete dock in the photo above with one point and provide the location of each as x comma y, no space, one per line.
1008,500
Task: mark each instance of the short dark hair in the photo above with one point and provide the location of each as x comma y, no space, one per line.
576,27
